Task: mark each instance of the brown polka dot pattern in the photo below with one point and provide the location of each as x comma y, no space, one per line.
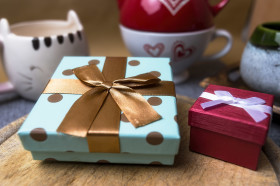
134,63
68,72
123,118
154,138
94,62
55,98
176,118
155,163
103,161
155,101
156,73
38,134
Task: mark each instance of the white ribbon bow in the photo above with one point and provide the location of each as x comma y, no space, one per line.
254,106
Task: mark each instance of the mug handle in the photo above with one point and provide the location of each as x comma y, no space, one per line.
218,7
225,50
6,86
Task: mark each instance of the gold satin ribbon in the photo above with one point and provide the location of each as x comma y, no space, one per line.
96,114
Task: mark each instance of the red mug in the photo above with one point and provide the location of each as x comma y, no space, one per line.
168,15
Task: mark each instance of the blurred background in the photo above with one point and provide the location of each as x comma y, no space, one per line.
101,22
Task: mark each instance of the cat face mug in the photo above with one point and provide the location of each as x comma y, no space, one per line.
32,50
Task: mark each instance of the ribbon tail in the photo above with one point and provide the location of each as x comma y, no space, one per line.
80,116
135,107
258,116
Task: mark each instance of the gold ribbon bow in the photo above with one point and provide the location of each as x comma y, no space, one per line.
96,114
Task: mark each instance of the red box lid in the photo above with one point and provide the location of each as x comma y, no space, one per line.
231,120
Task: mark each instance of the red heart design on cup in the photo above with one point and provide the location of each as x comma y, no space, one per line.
174,5
154,51
180,51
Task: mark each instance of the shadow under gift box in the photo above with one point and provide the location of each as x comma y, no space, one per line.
155,143
227,132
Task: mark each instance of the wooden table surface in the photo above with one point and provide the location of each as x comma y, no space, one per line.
18,168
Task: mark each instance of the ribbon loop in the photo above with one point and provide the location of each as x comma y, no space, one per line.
223,93
139,81
254,106
254,101
90,75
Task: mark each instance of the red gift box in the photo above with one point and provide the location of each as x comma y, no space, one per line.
230,124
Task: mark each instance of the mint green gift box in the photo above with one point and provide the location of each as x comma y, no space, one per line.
157,142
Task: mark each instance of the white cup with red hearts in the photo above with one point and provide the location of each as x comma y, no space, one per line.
183,48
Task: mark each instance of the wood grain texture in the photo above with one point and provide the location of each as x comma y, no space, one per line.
272,151
10,129
18,168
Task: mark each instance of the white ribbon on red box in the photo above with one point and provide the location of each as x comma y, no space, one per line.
254,106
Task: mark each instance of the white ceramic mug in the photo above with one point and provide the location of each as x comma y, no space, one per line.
32,51
183,48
